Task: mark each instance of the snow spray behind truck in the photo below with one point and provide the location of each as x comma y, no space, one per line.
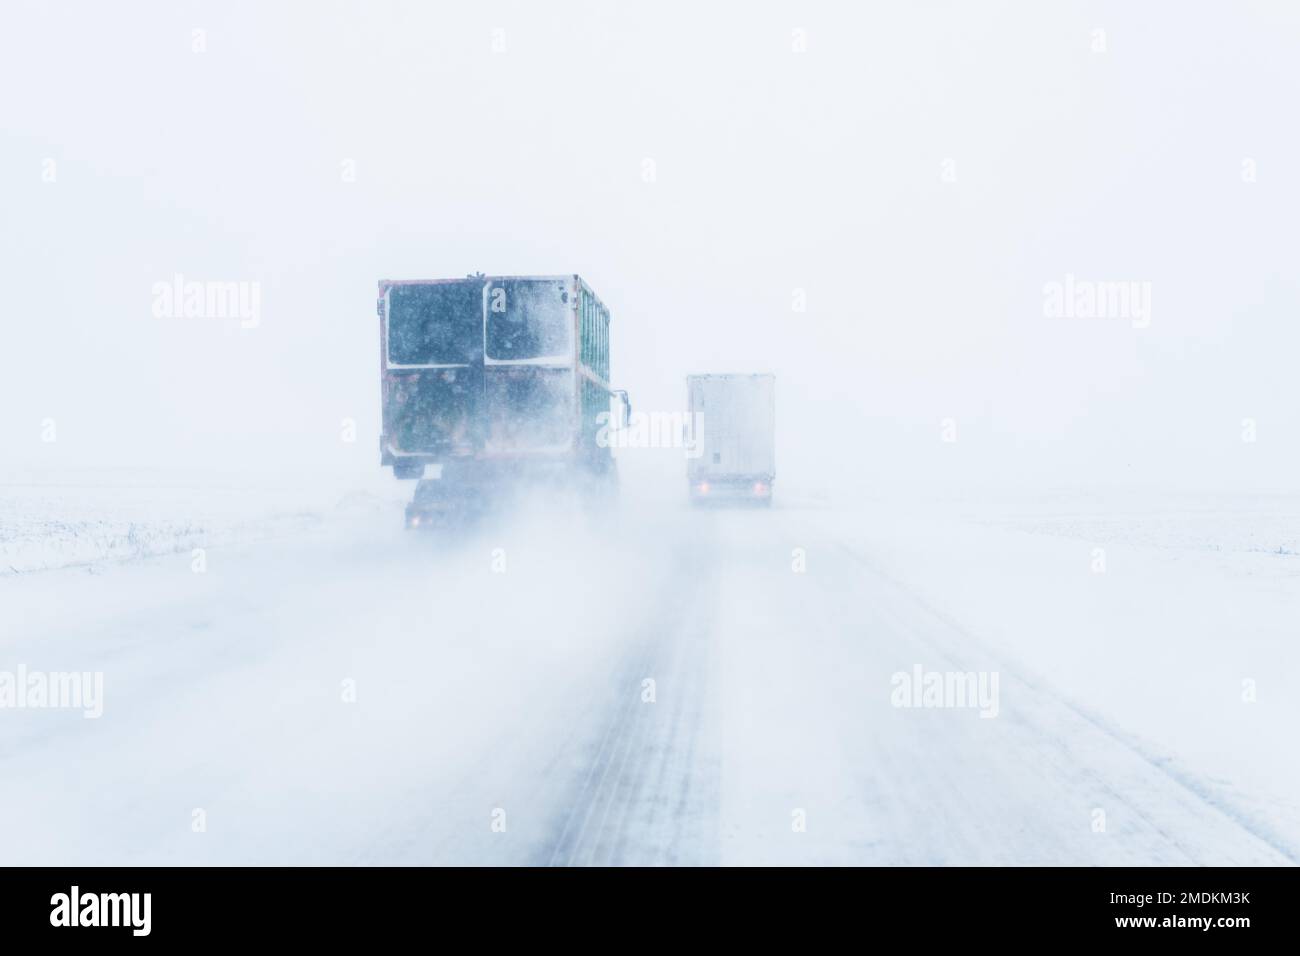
735,459
494,382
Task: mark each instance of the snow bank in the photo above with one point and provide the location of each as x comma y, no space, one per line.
60,520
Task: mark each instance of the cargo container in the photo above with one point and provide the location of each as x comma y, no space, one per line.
495,381
734,459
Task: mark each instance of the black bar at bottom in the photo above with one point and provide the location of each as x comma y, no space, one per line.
337,906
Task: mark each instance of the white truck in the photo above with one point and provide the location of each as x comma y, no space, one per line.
733,418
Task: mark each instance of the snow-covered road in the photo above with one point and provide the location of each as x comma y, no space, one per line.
659,686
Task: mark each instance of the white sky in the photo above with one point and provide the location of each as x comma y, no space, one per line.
775,170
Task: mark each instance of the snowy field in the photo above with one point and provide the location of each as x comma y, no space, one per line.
653,685
86,517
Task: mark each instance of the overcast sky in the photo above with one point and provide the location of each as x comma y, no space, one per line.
915,173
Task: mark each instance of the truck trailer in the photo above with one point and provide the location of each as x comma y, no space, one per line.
735,456
492,383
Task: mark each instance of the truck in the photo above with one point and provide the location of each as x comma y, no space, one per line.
734,456
493,383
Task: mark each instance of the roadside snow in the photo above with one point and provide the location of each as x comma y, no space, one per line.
1174,619
89,517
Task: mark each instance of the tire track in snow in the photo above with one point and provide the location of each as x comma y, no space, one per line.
1058,746
638,797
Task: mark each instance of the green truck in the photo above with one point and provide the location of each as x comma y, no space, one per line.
491,383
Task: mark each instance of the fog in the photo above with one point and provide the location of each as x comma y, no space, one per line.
1024,274
874,219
